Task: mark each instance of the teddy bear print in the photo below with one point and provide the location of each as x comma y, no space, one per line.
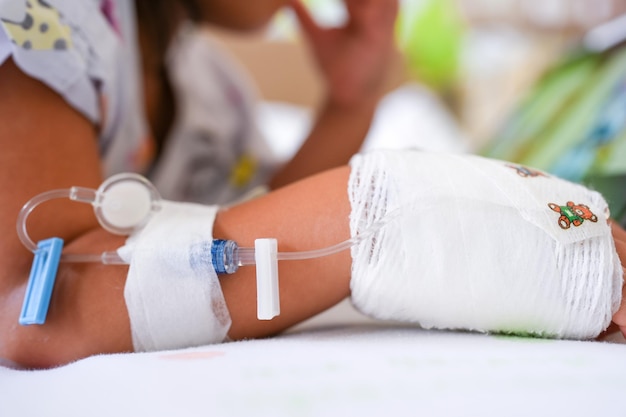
572,213
40,28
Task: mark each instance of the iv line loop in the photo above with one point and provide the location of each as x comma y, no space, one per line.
122,204
244,255
22,232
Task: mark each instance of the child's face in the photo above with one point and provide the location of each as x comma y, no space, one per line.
241,15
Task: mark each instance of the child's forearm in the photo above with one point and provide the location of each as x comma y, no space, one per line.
337,135
619,318
355,61
309,214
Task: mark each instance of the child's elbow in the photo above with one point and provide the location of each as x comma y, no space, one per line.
23,346
71,331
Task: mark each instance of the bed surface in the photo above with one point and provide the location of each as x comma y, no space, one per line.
337,365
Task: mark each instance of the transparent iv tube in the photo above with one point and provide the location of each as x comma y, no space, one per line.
227,256
76,194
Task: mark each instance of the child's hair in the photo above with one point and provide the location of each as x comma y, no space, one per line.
158,21
160,18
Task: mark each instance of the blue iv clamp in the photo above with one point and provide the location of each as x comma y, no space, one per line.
41,281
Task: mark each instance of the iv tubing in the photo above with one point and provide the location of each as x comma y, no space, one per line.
245,256
22,233
76,194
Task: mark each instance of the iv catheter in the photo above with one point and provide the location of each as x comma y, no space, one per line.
124,204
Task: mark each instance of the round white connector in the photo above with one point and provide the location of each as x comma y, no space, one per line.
125,202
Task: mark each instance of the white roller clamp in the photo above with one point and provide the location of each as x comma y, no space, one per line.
268,297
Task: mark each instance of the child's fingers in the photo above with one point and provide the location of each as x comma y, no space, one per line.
367,13
307,23
618,232
619,237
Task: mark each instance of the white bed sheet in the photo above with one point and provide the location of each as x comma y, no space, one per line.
345,368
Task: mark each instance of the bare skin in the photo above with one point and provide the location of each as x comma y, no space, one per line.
619,236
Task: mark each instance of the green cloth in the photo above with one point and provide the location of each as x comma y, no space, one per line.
573,125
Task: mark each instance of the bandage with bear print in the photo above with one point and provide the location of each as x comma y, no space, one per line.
479,244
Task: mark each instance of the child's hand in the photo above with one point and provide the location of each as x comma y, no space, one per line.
354,58
619,235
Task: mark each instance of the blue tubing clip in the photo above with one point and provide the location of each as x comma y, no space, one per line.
41,281
224,256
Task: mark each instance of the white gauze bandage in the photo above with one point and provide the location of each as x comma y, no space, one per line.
478,244
172,292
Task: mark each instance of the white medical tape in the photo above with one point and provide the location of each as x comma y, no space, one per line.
172,292
482,245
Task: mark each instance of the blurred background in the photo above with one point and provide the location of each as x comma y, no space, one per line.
538,82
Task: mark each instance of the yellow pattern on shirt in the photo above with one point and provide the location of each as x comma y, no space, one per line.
243,171
41,28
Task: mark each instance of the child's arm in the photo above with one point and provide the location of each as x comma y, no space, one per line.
619,236
354,61
47,145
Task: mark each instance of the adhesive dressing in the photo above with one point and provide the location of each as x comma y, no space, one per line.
481,245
